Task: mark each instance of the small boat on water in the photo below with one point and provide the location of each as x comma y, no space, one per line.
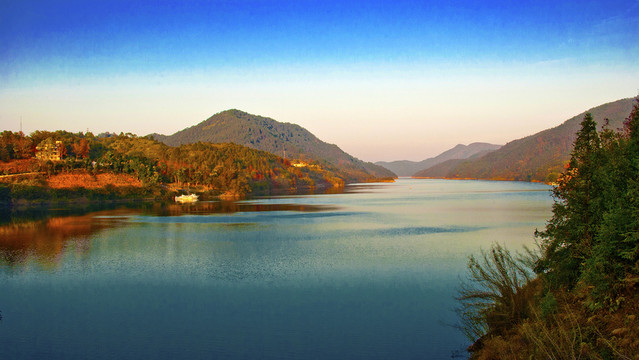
191,198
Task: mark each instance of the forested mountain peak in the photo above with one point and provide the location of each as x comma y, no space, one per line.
283,139
238,116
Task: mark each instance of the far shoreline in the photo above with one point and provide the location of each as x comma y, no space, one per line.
478,179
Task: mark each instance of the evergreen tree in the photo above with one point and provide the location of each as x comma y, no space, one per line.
617,244
593,235
568,238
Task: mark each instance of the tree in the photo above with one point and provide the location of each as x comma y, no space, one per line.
62,149
568,238
14,146
81,149
593,235
616,249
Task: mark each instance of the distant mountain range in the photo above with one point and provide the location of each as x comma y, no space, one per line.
408,168
538,157
283,139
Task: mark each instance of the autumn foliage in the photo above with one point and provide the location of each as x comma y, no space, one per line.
125,160
91,181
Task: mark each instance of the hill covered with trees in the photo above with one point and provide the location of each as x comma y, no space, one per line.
539,157
283,139
583,302
32,166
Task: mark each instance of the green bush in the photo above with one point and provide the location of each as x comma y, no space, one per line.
548,305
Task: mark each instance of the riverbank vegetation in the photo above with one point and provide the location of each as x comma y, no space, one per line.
577,297
56,166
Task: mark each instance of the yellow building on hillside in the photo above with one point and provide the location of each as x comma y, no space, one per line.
49,150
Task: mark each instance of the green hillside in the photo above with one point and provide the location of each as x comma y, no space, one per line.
283,139
539,157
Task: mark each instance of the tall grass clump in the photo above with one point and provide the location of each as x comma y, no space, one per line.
497,293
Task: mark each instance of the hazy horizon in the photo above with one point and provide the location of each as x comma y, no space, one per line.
405,80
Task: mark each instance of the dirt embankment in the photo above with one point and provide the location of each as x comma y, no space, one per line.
91,181
17,166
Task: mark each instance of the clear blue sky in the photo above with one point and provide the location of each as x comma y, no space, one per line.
384,80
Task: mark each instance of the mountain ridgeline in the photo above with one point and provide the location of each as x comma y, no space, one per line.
408,168
283,139
539,157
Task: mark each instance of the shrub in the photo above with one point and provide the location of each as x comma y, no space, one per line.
548,305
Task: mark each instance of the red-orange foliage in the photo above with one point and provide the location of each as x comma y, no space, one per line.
17,166
89,181
62,150
81,149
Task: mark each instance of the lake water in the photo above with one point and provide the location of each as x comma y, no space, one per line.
367,274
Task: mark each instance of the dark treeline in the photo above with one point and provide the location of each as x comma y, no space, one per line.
583,301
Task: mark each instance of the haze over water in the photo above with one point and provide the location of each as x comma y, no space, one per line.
367,274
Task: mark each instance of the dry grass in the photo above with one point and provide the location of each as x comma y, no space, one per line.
90,181
17,166
572,332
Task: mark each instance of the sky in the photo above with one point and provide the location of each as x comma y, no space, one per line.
384,80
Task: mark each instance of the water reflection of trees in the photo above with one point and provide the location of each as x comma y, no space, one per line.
224,207
46,241
14,215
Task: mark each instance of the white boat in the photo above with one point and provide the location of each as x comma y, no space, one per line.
191,198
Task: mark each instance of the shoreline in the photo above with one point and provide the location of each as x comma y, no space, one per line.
81,196
166,193
481,179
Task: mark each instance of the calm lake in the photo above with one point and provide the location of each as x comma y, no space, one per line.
367,274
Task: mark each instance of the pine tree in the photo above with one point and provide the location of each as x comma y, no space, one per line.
568,238
593,235
616,250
